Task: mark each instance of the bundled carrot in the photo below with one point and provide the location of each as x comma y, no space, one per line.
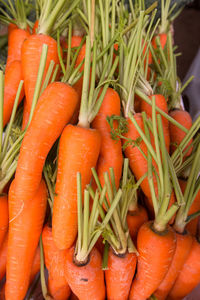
3,217
3,257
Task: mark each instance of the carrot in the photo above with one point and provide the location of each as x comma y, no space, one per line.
119,274
110,152
36,265
16,39
35,27
135,219
162,37
3,257
31,52
192,226
189,276
13,76
3,217
58,99
86,281
176,134
74,147
55,262
183,247
162,104
26,220
156,251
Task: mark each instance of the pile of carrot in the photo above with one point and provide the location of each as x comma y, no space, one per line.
99,160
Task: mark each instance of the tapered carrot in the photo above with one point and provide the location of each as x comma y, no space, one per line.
155,255
189,276
135,219
3,217
55,263
110,152
13,76
58,99
81,157
3,257
25,227
176,134
36,264
183,247
119,274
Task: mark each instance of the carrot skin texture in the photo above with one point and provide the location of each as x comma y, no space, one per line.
16,39
119,275
26,221
189,276
176,134
55,262
31,52
86,282
13,76
135,219
111,151
183,248
155,255
78,152
3,217
3,257
53,111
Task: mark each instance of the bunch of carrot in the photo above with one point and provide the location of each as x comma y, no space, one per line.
99,160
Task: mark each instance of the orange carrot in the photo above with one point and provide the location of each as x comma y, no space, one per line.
3,257
86,280
160,102
26,221
16,39
31,52
192,226
156,251
110,152
81,147
55,262
35,27
119,275
13,76
54,109
3,217
189,276
36,265
176,134
183,247
162,38
135,219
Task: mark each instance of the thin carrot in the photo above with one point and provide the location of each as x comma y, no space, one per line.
162,37
26,220
176,134
189,276
3,257
110,152
13,76
155,255
183,247
135,219
3,217
55,263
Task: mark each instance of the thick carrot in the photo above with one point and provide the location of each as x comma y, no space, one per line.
119,275
162,104
31,52
16,39
135,219
3,217
55,263
78,152
25,227
111,151
176,134
13,76
3,257
54,109
36,265
87,280
192,226
189,276
156,250
183,247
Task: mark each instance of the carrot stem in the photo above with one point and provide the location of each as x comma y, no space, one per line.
55,73
80,216
105,256
48,76
59,53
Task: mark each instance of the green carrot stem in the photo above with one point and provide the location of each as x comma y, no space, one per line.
59,53
8,175
105,256
69,47
39,81
48,76
55,73
146,99
80,217
94,212
92,85
85,222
